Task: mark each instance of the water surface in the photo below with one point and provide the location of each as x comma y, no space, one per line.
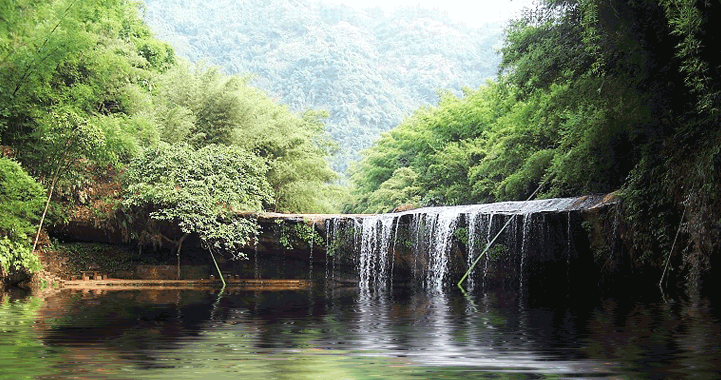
353,334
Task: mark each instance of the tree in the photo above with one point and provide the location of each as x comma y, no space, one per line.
693,25
198,191
63,142
398,190
96,56
74,86
201,106
297,150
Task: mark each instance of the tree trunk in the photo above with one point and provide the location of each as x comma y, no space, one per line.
45,211
180,246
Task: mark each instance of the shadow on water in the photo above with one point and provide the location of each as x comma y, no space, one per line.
354,333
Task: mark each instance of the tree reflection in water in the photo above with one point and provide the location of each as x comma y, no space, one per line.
351,334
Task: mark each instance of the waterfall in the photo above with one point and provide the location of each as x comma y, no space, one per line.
426,247
489,229
569,248
329,233
479,236
524,239
376,235
384,253
367,259
393,250
441,227
473,220
431,234
334,230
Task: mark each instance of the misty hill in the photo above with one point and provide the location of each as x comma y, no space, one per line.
368,69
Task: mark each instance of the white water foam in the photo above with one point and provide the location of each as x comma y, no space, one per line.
432,232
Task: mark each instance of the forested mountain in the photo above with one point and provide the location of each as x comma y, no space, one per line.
368,69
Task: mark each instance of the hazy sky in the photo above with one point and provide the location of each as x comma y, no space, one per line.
470,12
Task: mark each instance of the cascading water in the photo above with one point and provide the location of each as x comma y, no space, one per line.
489,229
373,262
429,249
334,229
439,232
367,259
480,228
473,221
569,247
524,248
384,252
310,266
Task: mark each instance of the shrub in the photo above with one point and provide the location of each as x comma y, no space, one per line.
21,200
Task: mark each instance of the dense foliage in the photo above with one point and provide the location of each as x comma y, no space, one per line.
206,107
367,69
20,203
86,90
593,97
199,191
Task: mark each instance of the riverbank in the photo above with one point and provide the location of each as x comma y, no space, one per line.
89,266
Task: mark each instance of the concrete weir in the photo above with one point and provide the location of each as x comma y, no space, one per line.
542,242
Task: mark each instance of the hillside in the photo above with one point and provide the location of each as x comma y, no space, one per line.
368,69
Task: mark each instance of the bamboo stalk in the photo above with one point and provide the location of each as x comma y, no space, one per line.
468,272
220,274
668,257
47,204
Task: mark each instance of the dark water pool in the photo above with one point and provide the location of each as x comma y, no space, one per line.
350,334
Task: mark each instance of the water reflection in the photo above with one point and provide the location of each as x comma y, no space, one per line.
351,334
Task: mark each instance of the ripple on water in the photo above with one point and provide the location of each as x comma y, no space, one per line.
185,334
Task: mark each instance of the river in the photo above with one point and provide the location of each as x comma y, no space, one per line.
354,334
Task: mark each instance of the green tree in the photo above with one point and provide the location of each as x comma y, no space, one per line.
400,189
75,86
297,151
639,114
203,106
198,191
441,145
88,55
